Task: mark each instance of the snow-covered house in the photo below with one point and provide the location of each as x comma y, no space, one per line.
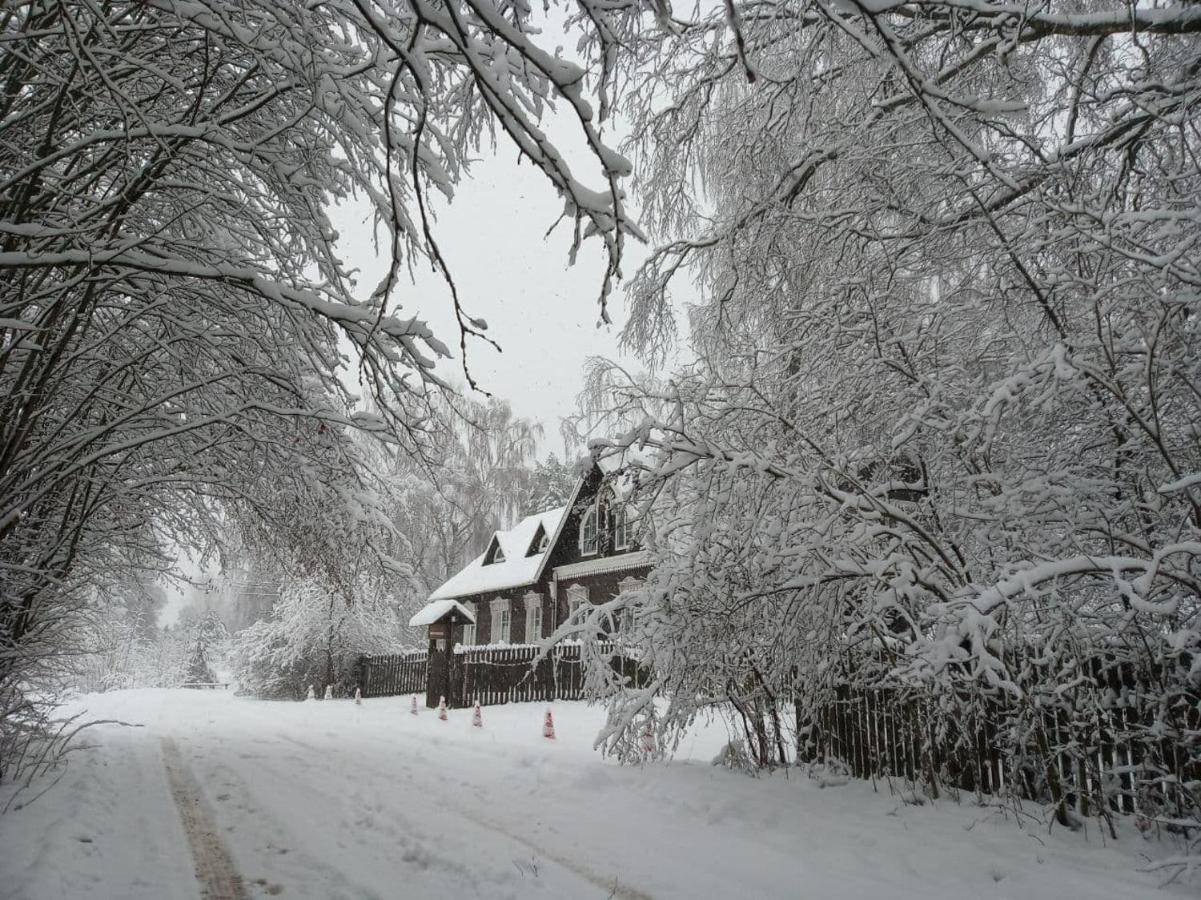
531,577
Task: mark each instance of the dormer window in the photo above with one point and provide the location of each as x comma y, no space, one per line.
494,554
589,532
539,543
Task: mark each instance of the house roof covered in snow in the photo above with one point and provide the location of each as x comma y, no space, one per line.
508,562
434,612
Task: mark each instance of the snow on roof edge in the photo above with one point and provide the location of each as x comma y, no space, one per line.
517,568
432,612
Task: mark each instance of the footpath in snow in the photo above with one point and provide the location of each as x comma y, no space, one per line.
326,799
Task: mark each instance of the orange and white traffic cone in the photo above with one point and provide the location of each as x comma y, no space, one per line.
548,725
477,717
358,697
442,708
413,708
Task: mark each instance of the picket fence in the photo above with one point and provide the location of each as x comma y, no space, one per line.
392,674
494,675
491,675
1116,754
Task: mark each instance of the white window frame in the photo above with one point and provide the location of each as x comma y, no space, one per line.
629,583
533,617
590,516
620,527
469,634
502,621
577,597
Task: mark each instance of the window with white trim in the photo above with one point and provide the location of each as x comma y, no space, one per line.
469,635
589,532
621,532
502,620
577,596
533,617
625,586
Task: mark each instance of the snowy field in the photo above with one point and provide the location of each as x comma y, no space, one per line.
330,800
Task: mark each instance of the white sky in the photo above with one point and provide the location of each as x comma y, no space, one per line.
542,312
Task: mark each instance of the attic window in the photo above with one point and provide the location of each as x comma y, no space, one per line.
589,536
494,554
539,543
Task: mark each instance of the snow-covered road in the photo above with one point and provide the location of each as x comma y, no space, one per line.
331,800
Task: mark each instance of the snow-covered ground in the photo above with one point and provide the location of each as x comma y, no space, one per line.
330,800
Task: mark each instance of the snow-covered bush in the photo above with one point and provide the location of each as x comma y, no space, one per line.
314,636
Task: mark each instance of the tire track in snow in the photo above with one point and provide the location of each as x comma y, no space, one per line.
215,871
616,890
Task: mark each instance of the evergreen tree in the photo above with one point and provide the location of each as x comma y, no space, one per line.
205,639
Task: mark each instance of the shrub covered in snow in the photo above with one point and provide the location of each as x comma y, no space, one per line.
314,636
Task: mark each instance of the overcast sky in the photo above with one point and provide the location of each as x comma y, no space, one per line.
541,311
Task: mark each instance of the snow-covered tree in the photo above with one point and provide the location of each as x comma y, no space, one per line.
443,514
551,484
176,328
314,636
206,637
940,435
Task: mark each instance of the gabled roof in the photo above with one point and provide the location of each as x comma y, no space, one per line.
433,612
515,570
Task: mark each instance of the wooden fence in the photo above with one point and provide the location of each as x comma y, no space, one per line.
387,676
1111,750
490,675
494,675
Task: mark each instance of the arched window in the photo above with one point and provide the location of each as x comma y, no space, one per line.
494,553
589,531
621,532
539,543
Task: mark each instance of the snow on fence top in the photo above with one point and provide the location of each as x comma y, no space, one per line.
517,567
432,612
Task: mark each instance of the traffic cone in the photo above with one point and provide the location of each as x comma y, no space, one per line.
413,708
329,692
548,725
311,695
442,708
358,697
477,717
